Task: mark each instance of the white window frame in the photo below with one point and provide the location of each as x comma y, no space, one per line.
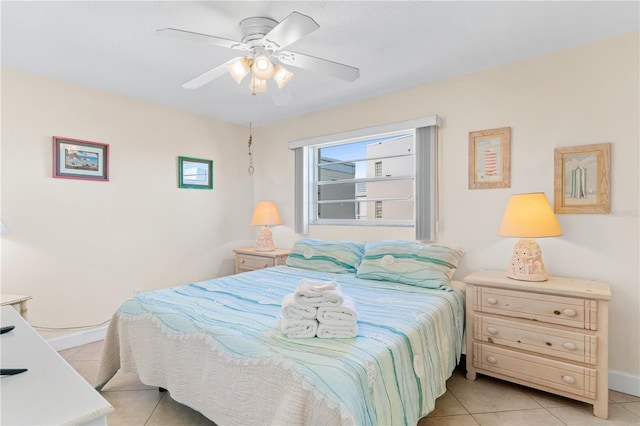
425,185
313,180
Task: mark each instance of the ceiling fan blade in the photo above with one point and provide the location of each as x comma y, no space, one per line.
208,76
324,66
202,38
291,29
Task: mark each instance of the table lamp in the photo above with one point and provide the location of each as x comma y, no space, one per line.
265,214
528,216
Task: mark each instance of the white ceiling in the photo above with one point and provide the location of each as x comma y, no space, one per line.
397,45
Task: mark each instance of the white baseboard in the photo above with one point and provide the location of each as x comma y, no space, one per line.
625,383
78,339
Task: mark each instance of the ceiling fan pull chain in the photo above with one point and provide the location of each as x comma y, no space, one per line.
250,169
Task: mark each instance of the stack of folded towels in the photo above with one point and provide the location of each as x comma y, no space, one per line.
318,308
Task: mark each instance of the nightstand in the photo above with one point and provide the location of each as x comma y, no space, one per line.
551,335
248,259
18,301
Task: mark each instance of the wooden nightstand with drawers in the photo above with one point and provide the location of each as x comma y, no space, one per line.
248,259
551,335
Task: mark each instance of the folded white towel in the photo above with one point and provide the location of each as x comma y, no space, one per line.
327,331
299,328
344,314
318,293
294,310
315,286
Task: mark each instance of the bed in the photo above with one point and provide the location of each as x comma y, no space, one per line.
216,345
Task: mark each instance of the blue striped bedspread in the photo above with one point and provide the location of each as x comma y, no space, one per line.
409,341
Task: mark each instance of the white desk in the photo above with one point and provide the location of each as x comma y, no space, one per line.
51,392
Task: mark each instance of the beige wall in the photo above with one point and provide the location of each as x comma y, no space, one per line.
146,233
583,96
80,248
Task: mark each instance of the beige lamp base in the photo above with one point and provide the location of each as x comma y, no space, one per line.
265,240
526,262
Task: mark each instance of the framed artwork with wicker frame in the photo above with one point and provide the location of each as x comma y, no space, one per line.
490,158
582,179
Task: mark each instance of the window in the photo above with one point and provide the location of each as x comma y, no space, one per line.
348,184
353,178
378,209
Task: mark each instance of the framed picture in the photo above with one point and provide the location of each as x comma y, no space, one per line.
490,158
195,173
582,179
78,159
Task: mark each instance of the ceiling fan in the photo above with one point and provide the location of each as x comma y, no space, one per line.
263,41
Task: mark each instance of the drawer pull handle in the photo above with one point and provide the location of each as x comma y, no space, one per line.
570,312
557,312
265,265
492,301
242,261
570,346
569,379
492,330
491,360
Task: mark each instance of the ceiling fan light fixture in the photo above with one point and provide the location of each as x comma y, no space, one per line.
257,85
262,68
262,39
281,75
239,68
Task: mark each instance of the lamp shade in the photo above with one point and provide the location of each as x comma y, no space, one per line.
266,213
262,68
281,75
529,216
239,68
256,85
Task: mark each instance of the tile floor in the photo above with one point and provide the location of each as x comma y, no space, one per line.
485,402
